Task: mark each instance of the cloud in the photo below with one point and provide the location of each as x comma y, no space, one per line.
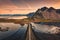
24,4
27,4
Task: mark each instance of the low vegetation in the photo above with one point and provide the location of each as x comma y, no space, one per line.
27,20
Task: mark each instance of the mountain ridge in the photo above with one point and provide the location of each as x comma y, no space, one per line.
47,13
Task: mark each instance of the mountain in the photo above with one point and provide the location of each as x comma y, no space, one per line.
30,14
47,13
58,11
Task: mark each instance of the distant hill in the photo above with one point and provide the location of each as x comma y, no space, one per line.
13,15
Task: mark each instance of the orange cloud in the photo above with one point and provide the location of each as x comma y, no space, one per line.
25,6
26,11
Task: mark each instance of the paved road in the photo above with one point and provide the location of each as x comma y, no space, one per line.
30,34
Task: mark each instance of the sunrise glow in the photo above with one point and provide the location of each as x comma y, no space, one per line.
25,6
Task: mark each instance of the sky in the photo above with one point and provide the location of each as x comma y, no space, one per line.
25,6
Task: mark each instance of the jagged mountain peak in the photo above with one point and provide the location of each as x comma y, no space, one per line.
46,8
51,9
43,8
